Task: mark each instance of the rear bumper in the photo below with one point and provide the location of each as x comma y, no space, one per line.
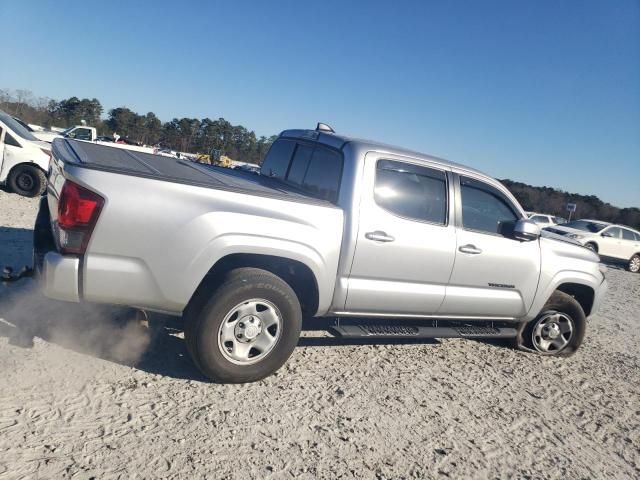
59,275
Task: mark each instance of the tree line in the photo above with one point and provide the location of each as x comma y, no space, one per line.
553,201
235,141
182,134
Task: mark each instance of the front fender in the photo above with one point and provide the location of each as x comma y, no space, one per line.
598,285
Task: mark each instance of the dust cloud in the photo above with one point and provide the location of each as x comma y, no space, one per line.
105,332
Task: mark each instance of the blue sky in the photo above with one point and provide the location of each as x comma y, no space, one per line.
545,92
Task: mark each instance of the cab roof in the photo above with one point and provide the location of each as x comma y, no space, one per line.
339,141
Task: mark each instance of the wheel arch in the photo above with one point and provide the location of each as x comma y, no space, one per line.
585,287
594,243
296,273
583,294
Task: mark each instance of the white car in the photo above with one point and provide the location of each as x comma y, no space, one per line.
544,220
24,160
617,242
39,132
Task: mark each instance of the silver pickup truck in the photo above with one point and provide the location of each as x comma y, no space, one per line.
385,242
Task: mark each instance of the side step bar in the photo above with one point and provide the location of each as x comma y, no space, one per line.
414,331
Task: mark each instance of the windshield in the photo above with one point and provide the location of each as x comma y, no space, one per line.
64,133
586,225
16,127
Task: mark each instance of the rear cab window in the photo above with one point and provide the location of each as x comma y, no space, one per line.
277,161
310,167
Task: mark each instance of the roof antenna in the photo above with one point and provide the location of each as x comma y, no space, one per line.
323,127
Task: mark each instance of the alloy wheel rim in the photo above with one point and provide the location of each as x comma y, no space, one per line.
250,331
552,332
634,264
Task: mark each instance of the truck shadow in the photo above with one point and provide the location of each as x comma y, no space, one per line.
112,334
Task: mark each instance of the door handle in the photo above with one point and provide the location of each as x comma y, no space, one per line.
379,236
470,249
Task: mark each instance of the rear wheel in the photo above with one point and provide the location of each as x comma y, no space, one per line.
246,329
27,180
558,329
634,263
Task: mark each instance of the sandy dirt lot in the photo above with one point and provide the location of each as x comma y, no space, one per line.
95,399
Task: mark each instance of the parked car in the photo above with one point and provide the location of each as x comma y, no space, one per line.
544,219
24,160
40,133
618,243
382,241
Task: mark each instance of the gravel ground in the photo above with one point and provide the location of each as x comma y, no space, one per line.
87,403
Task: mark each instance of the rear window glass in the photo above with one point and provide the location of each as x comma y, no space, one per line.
312,168
300,164
323,175
411,191
277,161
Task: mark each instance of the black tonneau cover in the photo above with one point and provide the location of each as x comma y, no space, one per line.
159,167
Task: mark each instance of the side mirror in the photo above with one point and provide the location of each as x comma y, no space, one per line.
606,234
525,230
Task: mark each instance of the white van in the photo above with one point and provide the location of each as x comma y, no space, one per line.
24,160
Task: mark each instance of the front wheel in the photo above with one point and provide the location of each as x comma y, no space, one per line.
246,330
634,264
558,329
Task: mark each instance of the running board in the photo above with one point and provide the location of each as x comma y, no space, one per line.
414,331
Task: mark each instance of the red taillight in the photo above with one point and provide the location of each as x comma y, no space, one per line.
78,211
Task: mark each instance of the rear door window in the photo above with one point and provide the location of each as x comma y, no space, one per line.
412,191
277,161
628,235
485,208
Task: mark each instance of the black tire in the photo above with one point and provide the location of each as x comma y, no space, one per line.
27,180
634,264
208,309
592,246
566,305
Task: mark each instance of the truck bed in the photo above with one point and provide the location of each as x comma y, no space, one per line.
159,167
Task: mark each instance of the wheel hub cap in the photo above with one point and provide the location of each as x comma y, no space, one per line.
248,328
25,181
250,331
552,332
